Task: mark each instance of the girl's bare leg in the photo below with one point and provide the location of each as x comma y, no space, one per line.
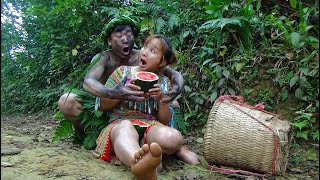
170,140
125,142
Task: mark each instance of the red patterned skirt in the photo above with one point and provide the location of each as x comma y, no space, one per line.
104,140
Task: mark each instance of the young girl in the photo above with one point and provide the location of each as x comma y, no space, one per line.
135,123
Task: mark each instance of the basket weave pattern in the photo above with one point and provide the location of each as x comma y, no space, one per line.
244,137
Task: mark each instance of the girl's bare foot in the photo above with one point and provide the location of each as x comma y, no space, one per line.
187,156
146,161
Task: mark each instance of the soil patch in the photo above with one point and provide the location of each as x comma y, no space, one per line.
27,153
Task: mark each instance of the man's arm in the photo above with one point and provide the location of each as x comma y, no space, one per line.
98,75
177,84
95,77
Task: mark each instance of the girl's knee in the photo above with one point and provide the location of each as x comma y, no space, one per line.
168,138
124,125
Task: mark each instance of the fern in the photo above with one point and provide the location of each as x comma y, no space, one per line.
64,130
110,10
153,9
90,139
160,23
173,21
219,23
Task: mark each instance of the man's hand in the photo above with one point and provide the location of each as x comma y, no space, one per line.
174,92
129,91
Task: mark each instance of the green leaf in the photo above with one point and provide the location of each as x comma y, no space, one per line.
315,135
213,96
64,130
295,39
220,23
226,73
206,61
74,52
301,124
302,134
185,34
239,66
231,91
293,3
187,88
293,81
298,93
98,113
90,140
305,71
58,115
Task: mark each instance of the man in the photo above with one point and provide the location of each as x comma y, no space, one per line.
122,53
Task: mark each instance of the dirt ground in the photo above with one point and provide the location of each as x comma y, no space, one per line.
27,153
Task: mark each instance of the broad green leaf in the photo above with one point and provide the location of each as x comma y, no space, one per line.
301,124
295,39
231,91
218,70
206,61
187,88
214,64
74,52
226,73
298,93
305,71
213,96
239,66
185,34
302,134
293,81
293,3
223,52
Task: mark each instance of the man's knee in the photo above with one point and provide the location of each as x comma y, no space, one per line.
69,105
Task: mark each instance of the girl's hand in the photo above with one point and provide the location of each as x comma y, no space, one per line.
156,92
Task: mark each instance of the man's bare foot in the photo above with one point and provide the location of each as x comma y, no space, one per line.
187,156
146,161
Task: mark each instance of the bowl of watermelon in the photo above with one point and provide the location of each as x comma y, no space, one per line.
145,80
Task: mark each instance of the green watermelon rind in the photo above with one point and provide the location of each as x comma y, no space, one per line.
145,85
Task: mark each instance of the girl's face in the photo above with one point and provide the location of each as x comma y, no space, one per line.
151,55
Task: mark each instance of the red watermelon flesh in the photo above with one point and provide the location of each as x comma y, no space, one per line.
146,80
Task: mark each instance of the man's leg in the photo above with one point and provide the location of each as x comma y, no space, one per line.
70,108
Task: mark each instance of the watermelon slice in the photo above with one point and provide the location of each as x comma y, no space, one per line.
146,80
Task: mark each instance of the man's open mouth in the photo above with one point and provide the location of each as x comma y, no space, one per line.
126,50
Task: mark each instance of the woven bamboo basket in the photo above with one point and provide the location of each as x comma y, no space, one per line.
246,137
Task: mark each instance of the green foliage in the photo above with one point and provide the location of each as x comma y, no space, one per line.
64,130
